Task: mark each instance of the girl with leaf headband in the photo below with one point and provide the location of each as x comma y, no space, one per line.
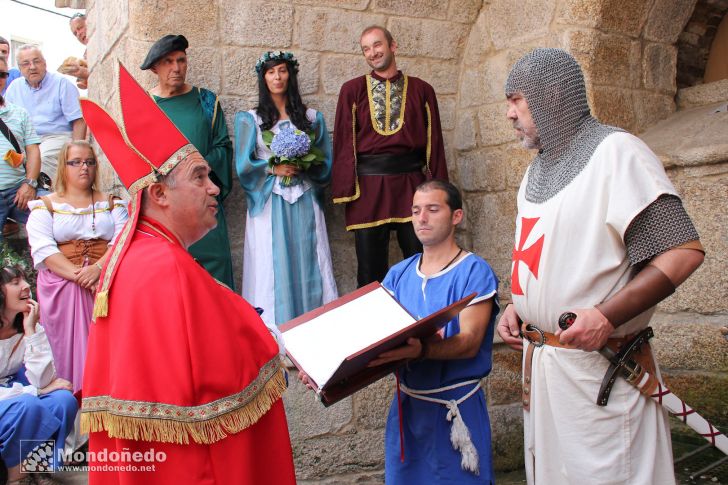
283,160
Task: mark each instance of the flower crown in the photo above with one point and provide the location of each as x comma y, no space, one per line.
276,56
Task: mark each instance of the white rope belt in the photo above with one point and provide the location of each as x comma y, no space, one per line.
459,433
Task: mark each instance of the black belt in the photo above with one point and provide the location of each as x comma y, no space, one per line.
389,164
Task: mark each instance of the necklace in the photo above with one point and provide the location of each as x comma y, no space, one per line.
419,265
93,213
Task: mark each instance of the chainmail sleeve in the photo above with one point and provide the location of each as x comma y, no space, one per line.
662,225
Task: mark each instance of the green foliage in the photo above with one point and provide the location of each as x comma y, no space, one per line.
10,257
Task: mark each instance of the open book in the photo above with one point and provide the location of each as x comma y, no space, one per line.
333,344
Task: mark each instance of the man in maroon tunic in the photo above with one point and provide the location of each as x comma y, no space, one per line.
387,140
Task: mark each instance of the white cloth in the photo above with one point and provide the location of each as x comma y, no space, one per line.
50,147
581,262
46,230
35,353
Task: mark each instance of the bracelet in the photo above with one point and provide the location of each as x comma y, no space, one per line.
99,266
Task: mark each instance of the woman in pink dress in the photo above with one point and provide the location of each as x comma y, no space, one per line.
70,233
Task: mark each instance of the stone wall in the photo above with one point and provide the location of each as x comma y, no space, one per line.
464,48
696,41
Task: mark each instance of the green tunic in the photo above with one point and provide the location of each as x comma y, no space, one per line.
198,115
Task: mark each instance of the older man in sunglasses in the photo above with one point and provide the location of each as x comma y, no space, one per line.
51,100
20,154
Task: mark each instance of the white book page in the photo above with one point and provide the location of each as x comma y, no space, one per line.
321,344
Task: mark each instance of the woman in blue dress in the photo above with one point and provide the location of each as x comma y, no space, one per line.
286,260
35,404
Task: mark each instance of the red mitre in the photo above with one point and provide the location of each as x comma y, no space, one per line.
145,146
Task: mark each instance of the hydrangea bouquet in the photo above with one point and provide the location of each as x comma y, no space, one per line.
292,147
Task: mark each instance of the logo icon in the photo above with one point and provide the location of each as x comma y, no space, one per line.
37,456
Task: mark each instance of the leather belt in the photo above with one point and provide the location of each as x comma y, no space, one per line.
538,338
389,164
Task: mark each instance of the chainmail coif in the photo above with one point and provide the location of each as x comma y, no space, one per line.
553,84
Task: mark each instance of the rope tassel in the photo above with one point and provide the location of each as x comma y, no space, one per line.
459,432
460,439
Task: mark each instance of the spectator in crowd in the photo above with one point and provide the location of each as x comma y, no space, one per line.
285,203
387,141
72,65
52,102
35,404
20,155
197,113
70,233
13,73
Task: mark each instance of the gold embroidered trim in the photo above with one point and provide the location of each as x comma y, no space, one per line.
174,159
167,423
341,200
388,104
386,131
428,151
179,155
378,223
101,302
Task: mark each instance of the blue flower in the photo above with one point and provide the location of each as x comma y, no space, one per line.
290,143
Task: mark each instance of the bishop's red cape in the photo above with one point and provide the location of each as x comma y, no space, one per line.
178,344
183,380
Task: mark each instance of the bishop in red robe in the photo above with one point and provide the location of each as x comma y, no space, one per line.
183,380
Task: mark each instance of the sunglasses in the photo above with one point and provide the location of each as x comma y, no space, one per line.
76,162
4,74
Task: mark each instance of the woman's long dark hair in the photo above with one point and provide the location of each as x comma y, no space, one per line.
7,274
295,108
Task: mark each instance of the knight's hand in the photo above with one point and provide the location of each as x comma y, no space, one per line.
589,331
509,328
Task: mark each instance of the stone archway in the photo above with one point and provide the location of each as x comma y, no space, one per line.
696,40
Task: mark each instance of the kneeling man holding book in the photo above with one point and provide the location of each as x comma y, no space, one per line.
438,429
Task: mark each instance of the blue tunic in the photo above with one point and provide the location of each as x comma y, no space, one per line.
429,455
26,420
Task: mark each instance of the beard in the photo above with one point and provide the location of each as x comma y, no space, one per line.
529,137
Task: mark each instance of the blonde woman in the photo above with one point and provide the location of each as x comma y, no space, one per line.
70,233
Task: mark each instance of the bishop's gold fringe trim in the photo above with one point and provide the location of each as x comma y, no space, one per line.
172,431
101,304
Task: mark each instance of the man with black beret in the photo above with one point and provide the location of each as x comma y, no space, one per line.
198,115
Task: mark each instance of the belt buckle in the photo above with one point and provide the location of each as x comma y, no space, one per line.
534,328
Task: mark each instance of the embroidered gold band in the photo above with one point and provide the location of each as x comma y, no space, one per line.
205,424
378,223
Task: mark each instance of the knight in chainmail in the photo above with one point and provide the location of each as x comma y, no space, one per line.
600,232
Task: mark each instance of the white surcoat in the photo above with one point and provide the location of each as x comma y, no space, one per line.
569,253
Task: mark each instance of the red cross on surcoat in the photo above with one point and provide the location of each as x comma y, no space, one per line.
531,255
